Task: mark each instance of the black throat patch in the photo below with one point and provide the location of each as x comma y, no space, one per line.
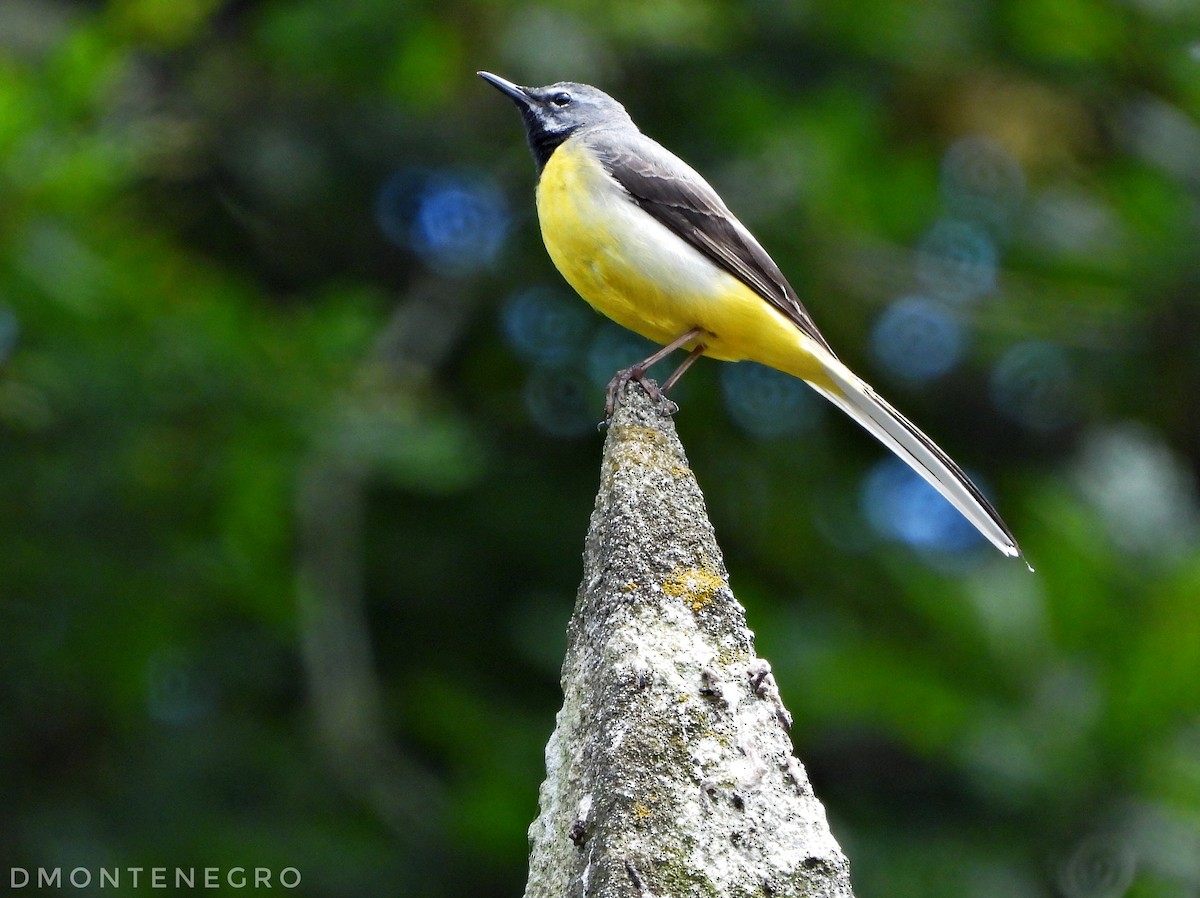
542,143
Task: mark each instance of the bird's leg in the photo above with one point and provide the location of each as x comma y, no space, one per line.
637,373
683,366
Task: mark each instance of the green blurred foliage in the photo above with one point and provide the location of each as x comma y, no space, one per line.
290,520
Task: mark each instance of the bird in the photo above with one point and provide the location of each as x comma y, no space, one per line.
646,241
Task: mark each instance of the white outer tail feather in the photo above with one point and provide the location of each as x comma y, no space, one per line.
858,400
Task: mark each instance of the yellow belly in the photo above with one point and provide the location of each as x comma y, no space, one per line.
637,272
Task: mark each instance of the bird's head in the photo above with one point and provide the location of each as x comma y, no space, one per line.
555,112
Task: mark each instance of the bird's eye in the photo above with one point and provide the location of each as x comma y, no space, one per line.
562,98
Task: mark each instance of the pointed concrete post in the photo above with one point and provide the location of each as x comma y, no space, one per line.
670,771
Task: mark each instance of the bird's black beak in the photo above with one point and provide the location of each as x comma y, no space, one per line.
515,92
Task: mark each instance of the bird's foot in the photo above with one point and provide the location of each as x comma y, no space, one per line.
615,391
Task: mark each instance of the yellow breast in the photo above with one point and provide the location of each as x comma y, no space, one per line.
636,271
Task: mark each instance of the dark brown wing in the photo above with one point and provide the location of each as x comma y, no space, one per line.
670,190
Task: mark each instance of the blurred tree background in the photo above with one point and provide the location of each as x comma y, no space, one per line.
298,428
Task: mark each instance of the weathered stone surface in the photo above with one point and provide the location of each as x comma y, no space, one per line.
670,771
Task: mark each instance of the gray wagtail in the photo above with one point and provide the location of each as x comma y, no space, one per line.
647,242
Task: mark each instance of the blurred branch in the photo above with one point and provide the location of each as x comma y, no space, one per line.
336,644
423,330
670,770
335,636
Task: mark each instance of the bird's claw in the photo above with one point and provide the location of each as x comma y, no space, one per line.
616,390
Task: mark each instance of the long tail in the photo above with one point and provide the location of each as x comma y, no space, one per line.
856,398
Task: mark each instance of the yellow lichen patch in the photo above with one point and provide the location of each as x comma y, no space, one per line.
696,586
639,445
636,432
641,811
